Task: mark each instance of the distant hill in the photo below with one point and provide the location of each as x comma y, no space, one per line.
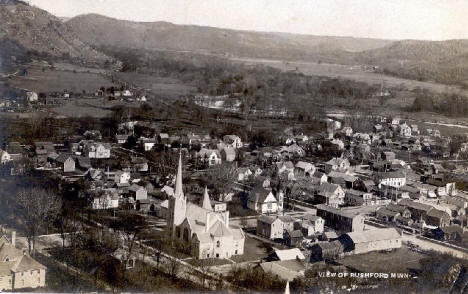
30,31
441,61
104,31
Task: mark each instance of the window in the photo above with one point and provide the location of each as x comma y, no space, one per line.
208,255
217,244
217,254
236,251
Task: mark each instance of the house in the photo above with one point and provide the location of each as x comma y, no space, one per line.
270,227
263,201
449,233
66,162
343,179
83,163
286,167
357,198
303,168
286,254
15,151
371,240
147,144
340,219
207,232
386,215
436,217
228,154
310,225
348,131
122,177
395,179
418,210
97,150
18,270
293,238
108,200
127,93
326,251
405,130
243,174
32,97
330,194
337,164
209,156
137,192
232,141
4,157
388,156
121,139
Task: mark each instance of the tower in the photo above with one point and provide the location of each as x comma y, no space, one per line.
177,203
205,201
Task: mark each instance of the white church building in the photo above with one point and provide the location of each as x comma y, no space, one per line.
207,231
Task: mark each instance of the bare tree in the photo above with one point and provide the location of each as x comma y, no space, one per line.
221,177
36,208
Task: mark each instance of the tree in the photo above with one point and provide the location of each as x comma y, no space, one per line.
220,178
36,208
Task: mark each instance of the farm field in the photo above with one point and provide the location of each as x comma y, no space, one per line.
59,80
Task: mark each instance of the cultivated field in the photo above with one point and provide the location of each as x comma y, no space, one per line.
80,109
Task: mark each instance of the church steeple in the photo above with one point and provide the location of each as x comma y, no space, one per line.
179,193
206,202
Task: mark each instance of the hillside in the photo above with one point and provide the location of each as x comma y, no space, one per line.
441,61
27,31
104,31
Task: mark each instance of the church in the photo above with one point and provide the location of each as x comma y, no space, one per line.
207,231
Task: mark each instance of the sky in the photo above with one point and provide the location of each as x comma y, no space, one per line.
385,19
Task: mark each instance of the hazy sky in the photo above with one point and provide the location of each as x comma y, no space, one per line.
393,19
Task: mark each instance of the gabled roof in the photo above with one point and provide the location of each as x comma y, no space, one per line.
219,229
328,190
289,254
374,235
267,219
259,194
63,157
433,212
306,166
26,263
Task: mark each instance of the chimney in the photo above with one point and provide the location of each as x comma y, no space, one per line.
13,238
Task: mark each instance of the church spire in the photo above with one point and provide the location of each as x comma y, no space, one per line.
178,186
206,202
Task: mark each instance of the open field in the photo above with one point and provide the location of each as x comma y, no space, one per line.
77,109
356,73
172,88
398,261
59,80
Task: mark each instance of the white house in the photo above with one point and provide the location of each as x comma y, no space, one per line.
122,177
4,157
97,150
31,96
405,130
106,201
232,141
395,179
210,156
263,201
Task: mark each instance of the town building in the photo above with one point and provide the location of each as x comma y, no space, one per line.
208,232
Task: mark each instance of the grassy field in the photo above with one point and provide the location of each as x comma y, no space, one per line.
172,88
78,109
59,80
400,260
